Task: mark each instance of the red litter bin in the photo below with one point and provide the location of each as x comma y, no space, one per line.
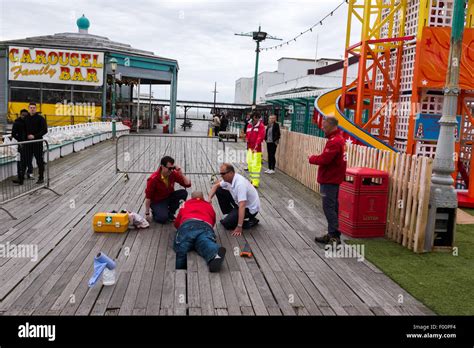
363,200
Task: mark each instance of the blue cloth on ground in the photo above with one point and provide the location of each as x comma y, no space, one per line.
101,261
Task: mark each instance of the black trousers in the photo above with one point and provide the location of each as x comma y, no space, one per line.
229,207
271,148
166,208
330,195
35,150
22,164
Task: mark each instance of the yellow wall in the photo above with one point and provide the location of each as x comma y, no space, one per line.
50,111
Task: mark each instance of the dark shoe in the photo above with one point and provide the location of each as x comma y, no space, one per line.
17,181
226,225
250,223
327,239
215,264
40,181
30,177
246,169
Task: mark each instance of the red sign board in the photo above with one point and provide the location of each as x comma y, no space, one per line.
432,59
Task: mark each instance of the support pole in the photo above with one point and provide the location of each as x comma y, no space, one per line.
151,112
443,198
138,106
114,125
255,76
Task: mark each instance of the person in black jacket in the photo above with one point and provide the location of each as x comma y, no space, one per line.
272,136
36,127
224,123
19,134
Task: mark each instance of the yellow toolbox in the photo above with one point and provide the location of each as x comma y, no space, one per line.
110,222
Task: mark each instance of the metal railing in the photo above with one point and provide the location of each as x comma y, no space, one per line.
236,127
18,162
141,153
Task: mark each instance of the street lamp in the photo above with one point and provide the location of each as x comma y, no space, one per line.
113,65
257,36
443,198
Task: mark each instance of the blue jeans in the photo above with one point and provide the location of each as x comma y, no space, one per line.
165,209
194,235
330,195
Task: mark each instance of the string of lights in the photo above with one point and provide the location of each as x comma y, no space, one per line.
320,22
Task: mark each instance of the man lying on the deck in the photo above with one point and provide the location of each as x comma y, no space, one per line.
195,231
237,198
160,194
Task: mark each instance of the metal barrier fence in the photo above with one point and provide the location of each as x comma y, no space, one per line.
141,153
18,162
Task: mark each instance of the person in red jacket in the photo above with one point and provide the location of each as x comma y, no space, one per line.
160,194
331,172
195,231
255,136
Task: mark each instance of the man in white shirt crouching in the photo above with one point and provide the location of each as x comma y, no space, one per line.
237,198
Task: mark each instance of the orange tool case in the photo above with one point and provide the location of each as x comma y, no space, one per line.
110,222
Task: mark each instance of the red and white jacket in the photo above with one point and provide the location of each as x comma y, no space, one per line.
255,135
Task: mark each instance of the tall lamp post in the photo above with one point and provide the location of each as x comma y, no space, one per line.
443,199
113,65
257,36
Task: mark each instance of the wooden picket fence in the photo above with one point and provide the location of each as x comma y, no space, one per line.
409,188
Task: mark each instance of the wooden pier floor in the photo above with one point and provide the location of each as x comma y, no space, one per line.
288,275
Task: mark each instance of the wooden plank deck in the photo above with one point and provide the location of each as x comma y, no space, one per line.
288,275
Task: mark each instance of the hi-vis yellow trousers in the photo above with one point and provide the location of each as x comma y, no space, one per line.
254,163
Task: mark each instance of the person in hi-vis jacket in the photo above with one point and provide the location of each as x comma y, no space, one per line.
255,136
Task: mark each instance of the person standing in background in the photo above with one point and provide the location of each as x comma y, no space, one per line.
255,136
19,134
224,123
36,127
331,173
216,123
272,136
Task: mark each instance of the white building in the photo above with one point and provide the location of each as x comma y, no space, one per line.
294,68
293,74
243,90
328,76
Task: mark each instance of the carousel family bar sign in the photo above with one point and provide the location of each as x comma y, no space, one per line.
55,66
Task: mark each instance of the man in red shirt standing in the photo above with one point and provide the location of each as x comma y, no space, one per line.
160,195
195,231
331,173
255,136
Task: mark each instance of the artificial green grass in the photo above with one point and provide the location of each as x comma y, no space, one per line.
441,281
469,211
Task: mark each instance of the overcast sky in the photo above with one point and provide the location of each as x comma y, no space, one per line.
199,34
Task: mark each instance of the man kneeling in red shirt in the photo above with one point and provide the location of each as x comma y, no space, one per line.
160,194
195,231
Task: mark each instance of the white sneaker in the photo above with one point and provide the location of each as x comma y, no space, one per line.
271,171
267,171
